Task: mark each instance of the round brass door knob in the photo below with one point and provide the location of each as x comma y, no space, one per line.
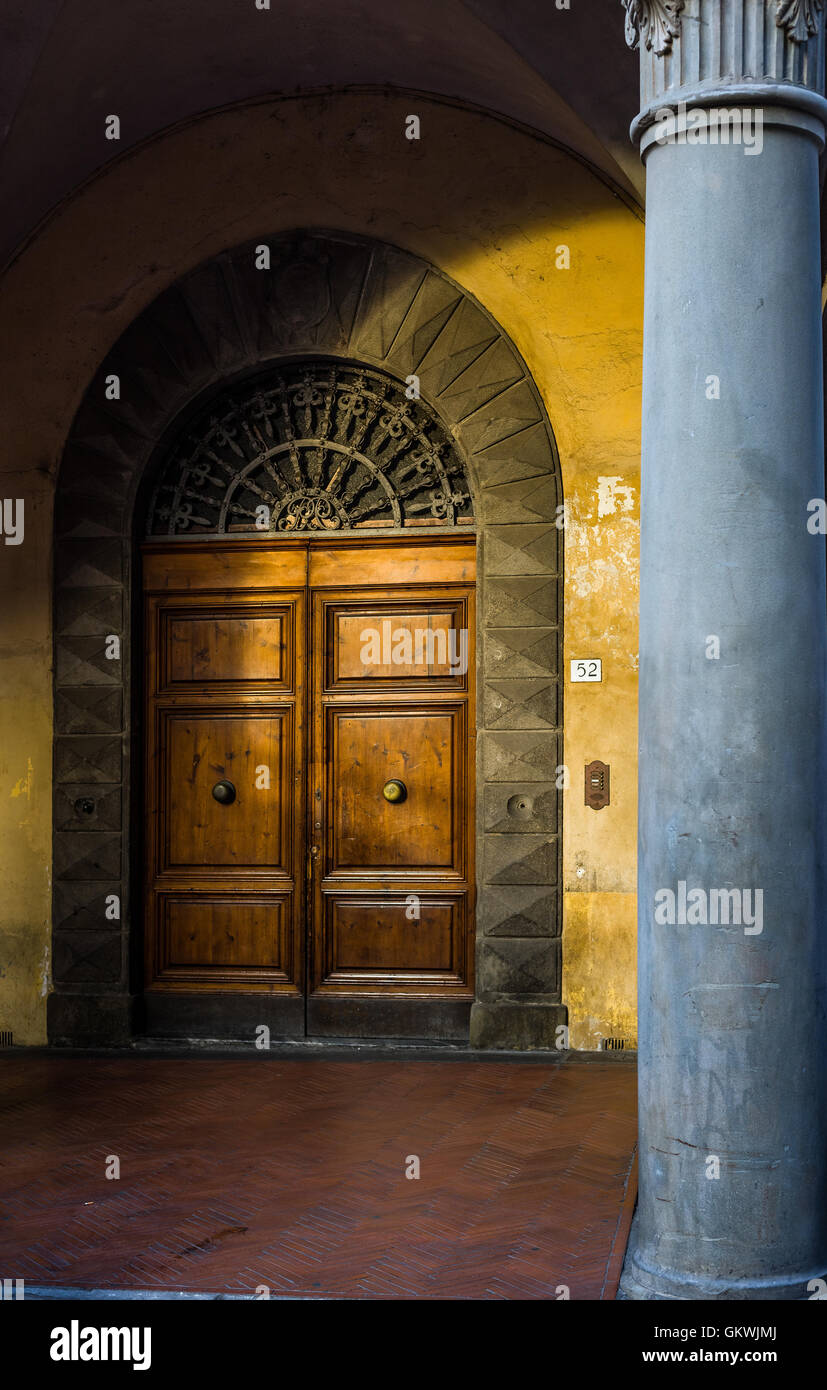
394,790
224,792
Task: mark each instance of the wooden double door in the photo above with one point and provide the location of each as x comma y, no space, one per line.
309,787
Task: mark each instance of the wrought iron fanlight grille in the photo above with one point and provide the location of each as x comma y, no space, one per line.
313,447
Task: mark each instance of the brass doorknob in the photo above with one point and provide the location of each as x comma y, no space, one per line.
224,792
394,790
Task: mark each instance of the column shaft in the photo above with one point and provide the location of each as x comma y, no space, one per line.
733,656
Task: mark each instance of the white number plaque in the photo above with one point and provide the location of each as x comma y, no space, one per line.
588,670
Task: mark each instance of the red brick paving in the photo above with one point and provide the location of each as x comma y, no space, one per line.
291,1173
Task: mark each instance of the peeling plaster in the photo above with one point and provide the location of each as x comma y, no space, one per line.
23,785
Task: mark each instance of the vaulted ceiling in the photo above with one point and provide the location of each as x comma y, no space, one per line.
67,64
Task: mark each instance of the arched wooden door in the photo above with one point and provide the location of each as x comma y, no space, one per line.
356,392
309,716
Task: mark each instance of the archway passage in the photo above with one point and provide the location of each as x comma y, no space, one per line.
371,321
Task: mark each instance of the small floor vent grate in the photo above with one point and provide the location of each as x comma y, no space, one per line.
6,1037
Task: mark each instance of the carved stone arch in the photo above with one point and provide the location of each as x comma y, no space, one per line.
358,303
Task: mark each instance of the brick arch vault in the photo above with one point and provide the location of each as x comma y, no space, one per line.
328,295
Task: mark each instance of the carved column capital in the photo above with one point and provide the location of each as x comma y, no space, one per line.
705,53
653,22
800,18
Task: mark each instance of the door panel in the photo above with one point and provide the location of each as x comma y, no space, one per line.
228,569
361,951
199,751
225,697
367,748
212,647
370,643
243,937
391,562
308,885
391,931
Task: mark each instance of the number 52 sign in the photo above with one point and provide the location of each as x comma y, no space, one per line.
588,670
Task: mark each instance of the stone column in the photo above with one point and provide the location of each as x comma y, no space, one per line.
733,1140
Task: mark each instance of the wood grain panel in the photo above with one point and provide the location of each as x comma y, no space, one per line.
368,642
423,949
417,746
231,941
227,645
233,566
210,646
198,751
432,560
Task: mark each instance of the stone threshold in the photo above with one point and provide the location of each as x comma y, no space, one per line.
343,1049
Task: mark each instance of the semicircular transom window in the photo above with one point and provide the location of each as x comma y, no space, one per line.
312,447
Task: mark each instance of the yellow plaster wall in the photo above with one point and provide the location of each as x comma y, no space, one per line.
487,204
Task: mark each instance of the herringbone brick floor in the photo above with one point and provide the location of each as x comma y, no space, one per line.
291,1174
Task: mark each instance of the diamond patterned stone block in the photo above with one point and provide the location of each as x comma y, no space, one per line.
81,854
459,352
515,757
144,347
525,602
521,651
82,957
88,709
89,564
520,704
83,905
519,911
521,549
209,301
390,288
518,967
83,661
83,611
521,500
79,758
89,515
435,302
521,463
87,806
504,426
106,428
519,859
518,808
